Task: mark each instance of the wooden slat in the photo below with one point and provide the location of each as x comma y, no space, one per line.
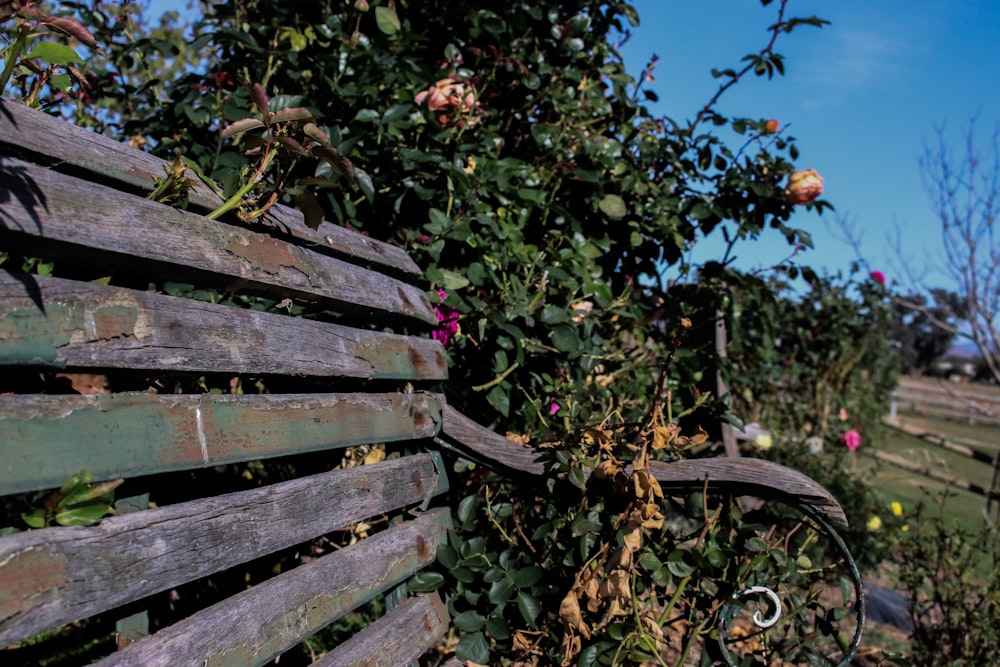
741,476
492,448
63,323
45,439
253,627
398,638
51,208
753,477
33,132
55,576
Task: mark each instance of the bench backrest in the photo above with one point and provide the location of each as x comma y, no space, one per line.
255,383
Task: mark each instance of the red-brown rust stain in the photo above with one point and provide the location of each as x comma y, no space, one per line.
115,321
417,481
26,575
266,254
423,549
427,625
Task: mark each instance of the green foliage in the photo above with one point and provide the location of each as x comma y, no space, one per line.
955,600
78,502
815,364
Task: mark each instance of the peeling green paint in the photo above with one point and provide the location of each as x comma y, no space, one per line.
30,336
44,439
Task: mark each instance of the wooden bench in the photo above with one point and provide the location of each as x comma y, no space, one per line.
359,370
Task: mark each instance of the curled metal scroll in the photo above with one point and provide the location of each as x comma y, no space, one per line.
728,613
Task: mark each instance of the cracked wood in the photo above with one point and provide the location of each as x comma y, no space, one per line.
61,323
53,212
55,576
255,626
28,131
45,439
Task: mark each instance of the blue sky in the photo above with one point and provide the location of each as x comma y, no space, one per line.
862,96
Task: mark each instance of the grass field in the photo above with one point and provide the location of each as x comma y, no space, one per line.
909,488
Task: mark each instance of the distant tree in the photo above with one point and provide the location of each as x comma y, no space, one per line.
964,189
917,334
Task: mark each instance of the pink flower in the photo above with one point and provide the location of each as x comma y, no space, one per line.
804,187
851,440
454,101
448,317
878,277
553,408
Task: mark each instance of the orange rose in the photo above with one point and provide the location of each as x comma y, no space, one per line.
804,187
771,126
454,101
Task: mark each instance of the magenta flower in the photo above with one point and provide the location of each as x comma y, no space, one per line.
878,277
553,408
448,318
851,440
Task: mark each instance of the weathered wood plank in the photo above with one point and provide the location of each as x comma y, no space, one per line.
45,439
63,323
742,476
398,638
29,131
254,626
754,477
55,576
51,208
490,447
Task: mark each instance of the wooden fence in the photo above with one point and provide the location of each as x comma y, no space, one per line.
953,401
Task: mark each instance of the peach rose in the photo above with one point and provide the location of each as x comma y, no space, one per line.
804,187
454,101
771,126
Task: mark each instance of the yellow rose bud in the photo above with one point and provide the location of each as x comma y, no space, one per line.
897,508
874,524
763,441
804,187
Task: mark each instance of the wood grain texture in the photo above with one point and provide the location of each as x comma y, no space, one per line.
45,439
31,132
57,210
742,476
54,576
398,638
253,627
62,323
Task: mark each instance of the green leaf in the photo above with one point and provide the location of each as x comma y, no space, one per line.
447,556
473,647
388,23
499,399
467,508
565,338
453,281
613,206
497,627
55,53
365,183
424,582
312,212
240,126
469,621
527,576
501,591
83,515
35,518
529,607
